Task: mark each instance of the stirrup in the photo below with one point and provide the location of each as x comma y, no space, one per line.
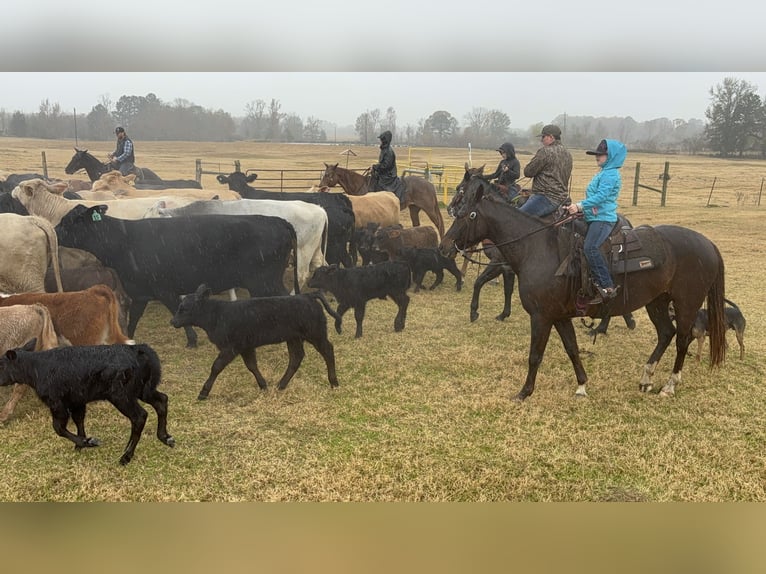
604,295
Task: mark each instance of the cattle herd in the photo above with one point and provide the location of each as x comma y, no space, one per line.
80,265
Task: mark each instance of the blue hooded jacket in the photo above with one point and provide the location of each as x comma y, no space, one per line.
600,203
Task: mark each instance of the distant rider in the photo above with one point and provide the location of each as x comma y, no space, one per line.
384,173
123,158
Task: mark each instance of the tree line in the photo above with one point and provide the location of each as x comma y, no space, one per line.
736,125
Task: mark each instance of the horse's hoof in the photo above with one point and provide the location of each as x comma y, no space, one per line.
125,459
202,396
645,388
474,316
91,441
502,317
170,441
519,398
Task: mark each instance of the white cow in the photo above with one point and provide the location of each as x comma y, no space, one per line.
39,199
308,220
29,246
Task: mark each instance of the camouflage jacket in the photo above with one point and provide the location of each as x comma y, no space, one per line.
550,170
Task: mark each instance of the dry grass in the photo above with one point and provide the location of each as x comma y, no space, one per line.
426,414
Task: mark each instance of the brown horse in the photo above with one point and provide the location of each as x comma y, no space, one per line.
691,271
420,194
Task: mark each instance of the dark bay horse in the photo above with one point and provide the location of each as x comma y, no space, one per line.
96,168
692,271
420,194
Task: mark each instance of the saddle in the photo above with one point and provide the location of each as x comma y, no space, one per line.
626,250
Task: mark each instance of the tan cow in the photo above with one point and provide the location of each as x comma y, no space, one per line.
29,245
123,187
18,325
37,197
381,207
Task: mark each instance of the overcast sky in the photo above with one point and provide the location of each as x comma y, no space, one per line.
532,60
339,97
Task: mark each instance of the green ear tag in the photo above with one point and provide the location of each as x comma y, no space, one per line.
96,216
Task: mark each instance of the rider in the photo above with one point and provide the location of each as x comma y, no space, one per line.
600,211
384,174
550,170
123,157
508,171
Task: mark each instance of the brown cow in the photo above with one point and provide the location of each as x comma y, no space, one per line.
19,324
391,239
86,317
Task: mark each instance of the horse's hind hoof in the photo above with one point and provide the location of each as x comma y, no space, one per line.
91,441
170,441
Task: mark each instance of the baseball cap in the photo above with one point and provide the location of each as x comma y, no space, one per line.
600,149
551,130
119,129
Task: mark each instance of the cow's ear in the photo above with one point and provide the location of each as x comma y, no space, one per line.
251,177
96,212
222,178
203,292
10,354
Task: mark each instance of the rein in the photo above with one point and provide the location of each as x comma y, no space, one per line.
556,223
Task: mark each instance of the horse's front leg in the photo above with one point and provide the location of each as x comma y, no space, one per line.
540,332
568,336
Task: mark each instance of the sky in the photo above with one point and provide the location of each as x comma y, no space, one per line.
340,97
333,60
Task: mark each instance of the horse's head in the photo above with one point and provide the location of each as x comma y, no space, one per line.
330,176
457,199
468,228
77,162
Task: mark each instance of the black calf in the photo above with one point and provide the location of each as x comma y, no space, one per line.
239,327
68,378
422,259
354,287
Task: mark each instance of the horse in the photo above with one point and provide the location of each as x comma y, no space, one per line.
95,168
420,193
497,265
690,269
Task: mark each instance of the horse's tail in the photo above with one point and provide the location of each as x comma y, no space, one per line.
716,315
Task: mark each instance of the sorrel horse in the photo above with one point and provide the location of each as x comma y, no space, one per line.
420,193
96,168
692,271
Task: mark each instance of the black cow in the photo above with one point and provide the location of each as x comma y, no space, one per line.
169,184
354,287
16,178
364,242
9,204
68,378
165,258
340,214
240,327
422,259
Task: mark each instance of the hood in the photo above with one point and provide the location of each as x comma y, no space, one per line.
509,150
615,154
385,138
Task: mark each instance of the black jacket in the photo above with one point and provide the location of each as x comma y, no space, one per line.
507,177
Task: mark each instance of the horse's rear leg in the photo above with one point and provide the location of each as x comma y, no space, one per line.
415,215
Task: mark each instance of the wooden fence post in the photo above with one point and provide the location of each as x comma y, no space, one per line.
635,183
45,165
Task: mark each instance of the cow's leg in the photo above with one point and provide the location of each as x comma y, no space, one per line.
159,402
439,278
251,362
137,415
415,215
137,308
359,311
402,301
417,278
295,348
225,357
342,308
326,349
16,394
60,419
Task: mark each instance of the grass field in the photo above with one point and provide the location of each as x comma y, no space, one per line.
426,414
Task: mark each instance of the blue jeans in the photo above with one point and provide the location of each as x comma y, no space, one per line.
538,205
126,168
598,231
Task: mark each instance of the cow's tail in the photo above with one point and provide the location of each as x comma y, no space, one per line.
325,237
114,334
294,239
48,338
318,295
53,248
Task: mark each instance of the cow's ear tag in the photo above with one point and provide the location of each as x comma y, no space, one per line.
95,216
